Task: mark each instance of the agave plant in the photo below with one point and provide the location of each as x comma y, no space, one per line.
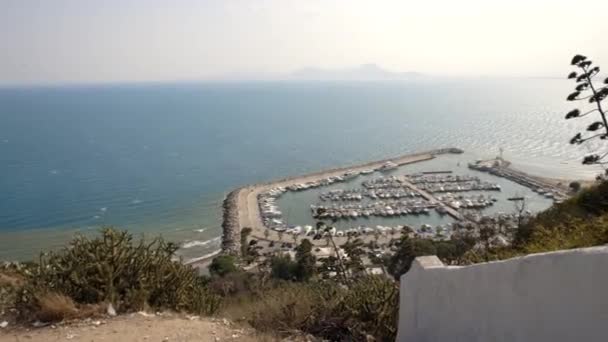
595,93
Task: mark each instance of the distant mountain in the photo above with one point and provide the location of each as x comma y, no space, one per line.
365,72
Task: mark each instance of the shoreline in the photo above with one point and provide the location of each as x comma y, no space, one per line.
241,207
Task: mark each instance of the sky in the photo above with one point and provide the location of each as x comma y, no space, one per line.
89,41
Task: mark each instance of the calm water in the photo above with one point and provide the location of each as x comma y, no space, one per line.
159,158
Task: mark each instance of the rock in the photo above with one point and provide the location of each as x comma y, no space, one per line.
38,324
4,324
225,322
70,336
165,339
145,314
111,310
193,318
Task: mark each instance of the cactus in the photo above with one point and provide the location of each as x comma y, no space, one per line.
112,268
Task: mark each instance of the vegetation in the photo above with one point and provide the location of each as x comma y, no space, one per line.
322,308
586,90
222,265
111,270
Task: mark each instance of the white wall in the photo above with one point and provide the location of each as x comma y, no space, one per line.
560,296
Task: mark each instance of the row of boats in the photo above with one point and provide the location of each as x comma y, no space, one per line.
459,186
379,208
360,194
350,174
425,230
467,202
418,178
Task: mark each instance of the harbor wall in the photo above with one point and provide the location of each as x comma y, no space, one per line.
558,296
231,231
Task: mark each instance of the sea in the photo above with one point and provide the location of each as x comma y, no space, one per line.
158,158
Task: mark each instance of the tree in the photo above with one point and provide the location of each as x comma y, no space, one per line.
354,252
222,265
329,238
305,261
595,94
282,267
408,250
575,186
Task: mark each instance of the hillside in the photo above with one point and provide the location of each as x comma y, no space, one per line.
279,297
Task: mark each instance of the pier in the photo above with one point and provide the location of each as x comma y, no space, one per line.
448,210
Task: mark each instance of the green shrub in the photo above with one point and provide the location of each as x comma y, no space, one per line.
222,265
112,268
282,267
327,309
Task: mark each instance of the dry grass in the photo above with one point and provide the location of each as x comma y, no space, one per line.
54,307
9,279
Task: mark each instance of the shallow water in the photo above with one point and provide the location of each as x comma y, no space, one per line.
159,158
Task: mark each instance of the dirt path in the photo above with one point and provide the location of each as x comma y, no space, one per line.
137,327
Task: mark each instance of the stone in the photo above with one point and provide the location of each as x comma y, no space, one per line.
4,324
111,310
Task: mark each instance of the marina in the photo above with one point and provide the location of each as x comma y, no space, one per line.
427,193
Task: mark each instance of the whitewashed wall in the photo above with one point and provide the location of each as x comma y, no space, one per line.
560,296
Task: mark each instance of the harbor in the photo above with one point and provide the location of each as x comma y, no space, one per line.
375,201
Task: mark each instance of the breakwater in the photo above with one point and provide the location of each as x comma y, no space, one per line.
230,225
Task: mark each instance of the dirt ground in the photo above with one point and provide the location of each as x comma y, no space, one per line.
136,327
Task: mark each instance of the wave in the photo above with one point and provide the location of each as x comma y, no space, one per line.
203,257
197,243
200,230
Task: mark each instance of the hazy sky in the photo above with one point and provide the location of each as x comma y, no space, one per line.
118,40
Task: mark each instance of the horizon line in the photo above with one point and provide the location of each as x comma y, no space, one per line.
68,84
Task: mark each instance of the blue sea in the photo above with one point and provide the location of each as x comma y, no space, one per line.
159,158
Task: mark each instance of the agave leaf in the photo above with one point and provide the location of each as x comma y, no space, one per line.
577,59
591,159
581,77
576,139
573,114
573,96
595,126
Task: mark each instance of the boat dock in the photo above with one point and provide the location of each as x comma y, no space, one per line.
448,210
